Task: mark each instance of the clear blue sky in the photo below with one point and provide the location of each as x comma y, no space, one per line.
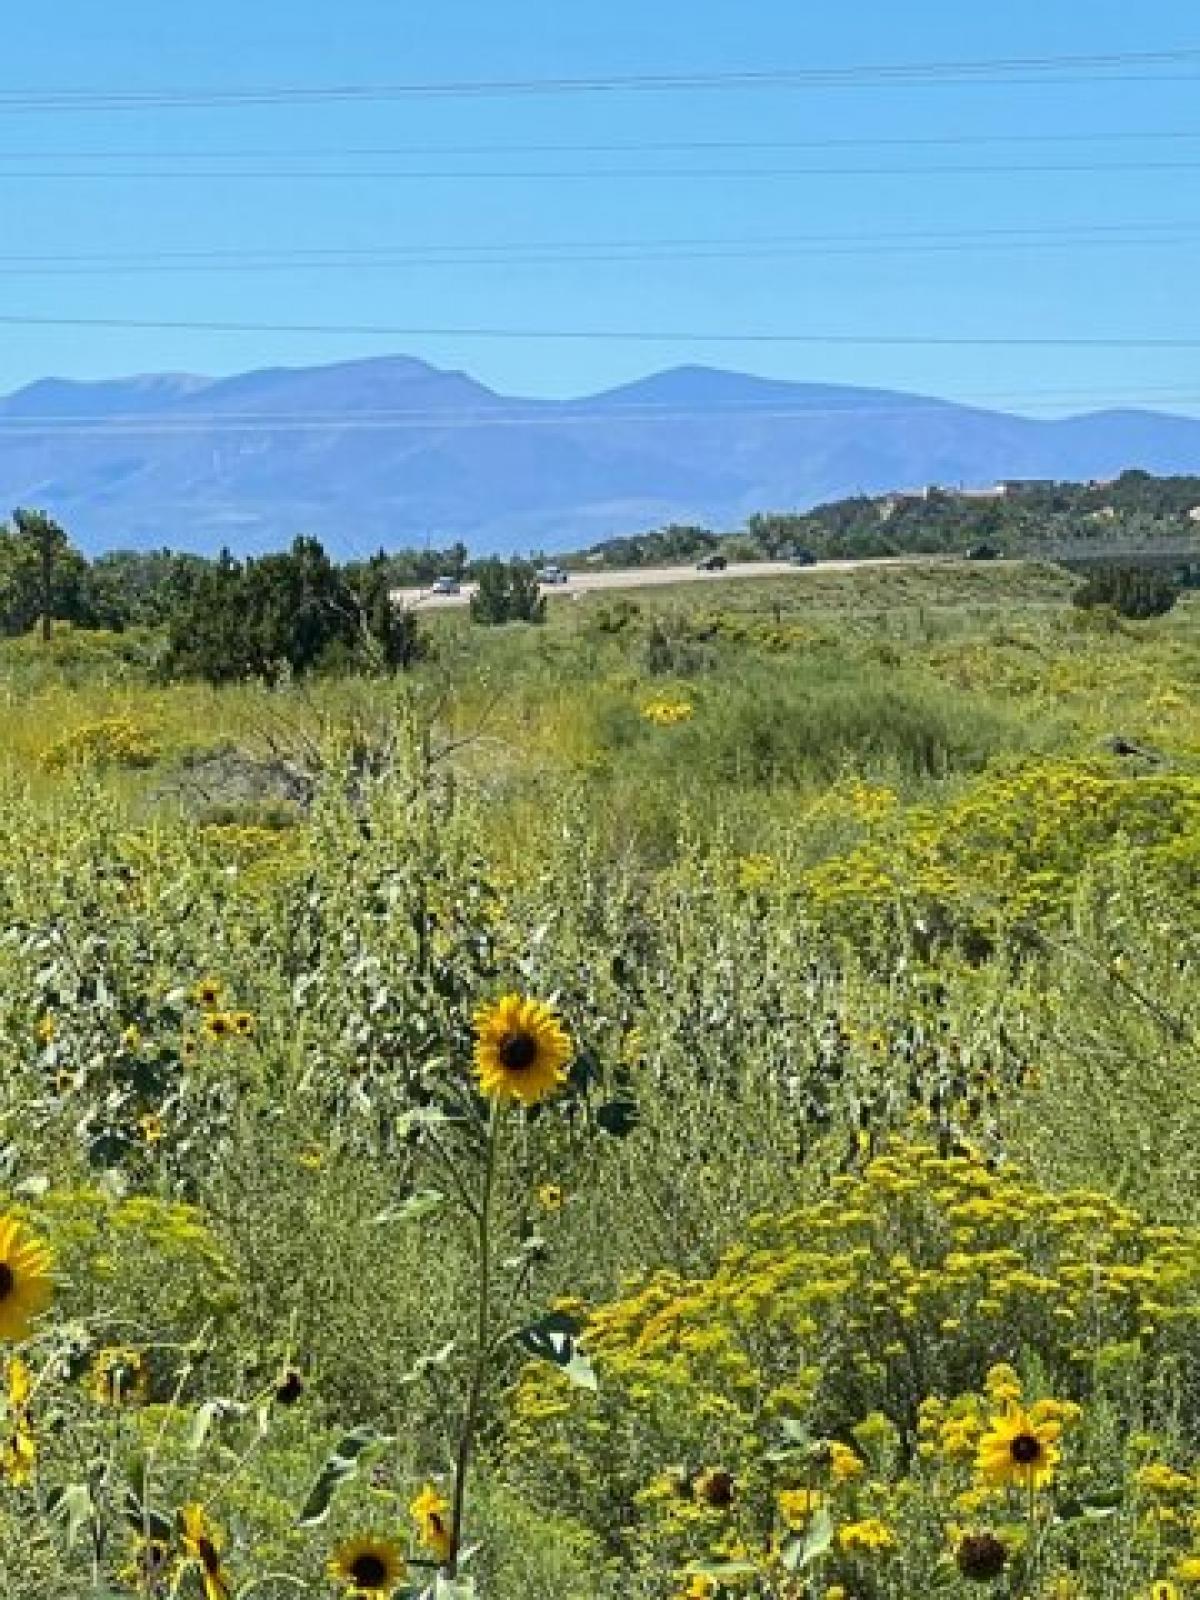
1132,289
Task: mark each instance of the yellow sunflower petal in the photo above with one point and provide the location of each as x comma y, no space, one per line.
521,1050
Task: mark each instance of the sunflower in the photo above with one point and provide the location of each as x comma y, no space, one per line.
202,1548
207,994
367,1567
151,1127
431,1513
715,1487
1019,1450
242,1024
550,1196
18,1450
46,1030
119,1377
18,1454
521,1050
289,1387
217,1025
152,1567
980,1557
25,1283
20,1385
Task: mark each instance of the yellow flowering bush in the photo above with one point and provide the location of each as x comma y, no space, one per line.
805,1363
118,741
665,713
1011,847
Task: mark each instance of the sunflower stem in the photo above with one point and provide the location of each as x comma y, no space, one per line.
470,1422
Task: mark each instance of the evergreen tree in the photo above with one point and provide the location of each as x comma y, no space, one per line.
42,577
1134,592
507,592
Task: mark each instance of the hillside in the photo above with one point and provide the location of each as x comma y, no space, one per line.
394,451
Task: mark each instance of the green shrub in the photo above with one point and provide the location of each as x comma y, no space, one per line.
1133,592
507,592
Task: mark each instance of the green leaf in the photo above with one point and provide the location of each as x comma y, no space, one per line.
209,1414
136,1508
553,1338
421,1366
421,1117
74,1506
453,1588
818,1539
795,1439
618,1118
343,1465
418,1205
144,1518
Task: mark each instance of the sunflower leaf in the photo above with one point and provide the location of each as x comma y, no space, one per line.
340,1468
618,1118
418,1205
818,1539
553,1338
794,1439
74,1506
423,1364
210,1413
453,1588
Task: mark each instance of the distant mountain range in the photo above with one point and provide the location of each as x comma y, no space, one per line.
395,452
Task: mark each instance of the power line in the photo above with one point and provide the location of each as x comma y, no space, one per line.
576,174
907,74
630,335
518,258
339,255
643,147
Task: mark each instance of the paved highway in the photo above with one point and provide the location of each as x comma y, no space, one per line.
593,582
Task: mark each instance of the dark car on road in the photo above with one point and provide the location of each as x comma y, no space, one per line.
802,558
983,552
713,563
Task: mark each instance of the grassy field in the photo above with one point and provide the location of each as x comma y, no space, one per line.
820,1218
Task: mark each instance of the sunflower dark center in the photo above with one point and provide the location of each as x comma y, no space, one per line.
7,1281
290,1390
981,1557
718,1489
369,1570
155,1554
1026,1448
518,1052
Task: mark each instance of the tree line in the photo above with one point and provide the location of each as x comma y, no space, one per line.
289,613
1135,508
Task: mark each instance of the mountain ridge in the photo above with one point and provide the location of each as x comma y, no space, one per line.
392,450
